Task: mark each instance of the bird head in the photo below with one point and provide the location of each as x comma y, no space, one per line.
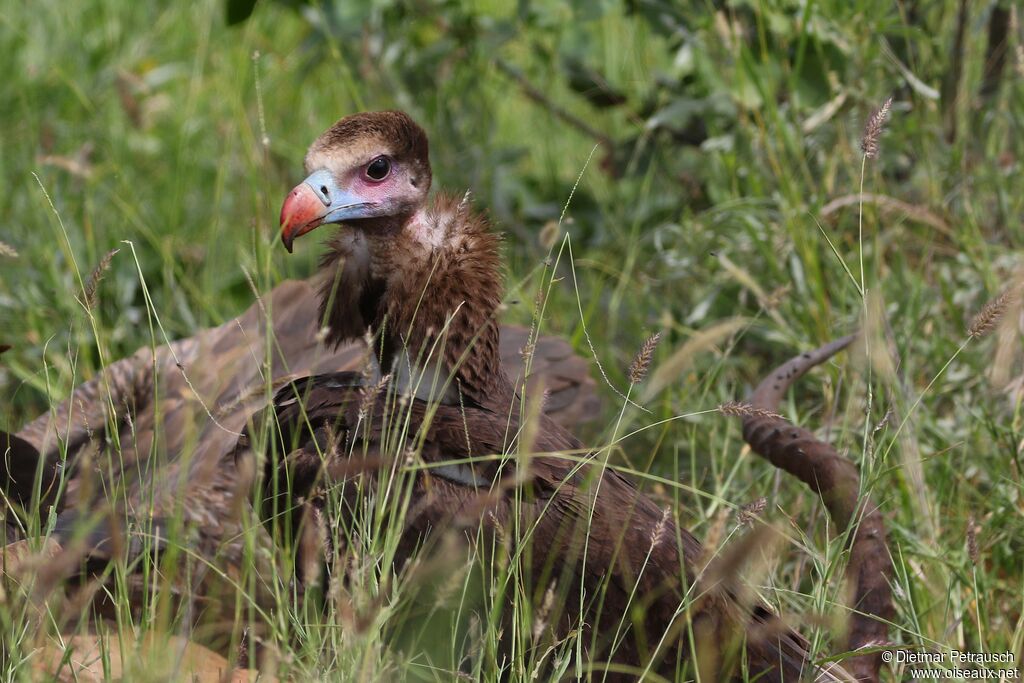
372,165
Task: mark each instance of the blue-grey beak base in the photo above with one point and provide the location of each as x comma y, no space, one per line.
340,204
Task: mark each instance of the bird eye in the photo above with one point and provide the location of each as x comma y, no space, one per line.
378,169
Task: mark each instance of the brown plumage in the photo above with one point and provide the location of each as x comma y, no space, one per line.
589,530
440,301
158,430
197,394
432,270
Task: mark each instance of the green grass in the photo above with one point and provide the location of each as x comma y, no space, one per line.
158,131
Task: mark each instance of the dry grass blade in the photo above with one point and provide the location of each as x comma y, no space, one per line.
989,316
873,128
726,566
79,164
642,361
745,278
713,538
888,205
670,370
541,622
875,342
124,657
19,556
93,283
8,250
312,545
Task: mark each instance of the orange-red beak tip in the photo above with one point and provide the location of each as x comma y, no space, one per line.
301,212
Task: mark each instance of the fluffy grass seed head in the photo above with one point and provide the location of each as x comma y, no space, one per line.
873,128
642,360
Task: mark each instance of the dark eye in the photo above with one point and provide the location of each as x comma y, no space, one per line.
378,169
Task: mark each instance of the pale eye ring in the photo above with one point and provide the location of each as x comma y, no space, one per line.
378,169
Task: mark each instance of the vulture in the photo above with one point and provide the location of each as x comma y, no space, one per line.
422,276
442,400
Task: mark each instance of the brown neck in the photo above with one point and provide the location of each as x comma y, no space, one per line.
386,227
430,285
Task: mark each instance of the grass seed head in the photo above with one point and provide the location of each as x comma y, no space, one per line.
972,540
642,361
873,128
370,395
743,409
93,283
659,529
989,316
751,511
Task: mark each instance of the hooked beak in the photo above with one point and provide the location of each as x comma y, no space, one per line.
315,201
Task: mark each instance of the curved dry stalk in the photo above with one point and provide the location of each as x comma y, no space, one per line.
837,481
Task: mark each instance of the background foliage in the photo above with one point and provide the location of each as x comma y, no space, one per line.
716,147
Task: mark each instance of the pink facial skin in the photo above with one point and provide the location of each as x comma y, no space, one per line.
321,199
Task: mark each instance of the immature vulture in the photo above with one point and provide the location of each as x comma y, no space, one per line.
424,275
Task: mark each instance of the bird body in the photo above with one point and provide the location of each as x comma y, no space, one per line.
433,403
425,277
178,409
146,448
